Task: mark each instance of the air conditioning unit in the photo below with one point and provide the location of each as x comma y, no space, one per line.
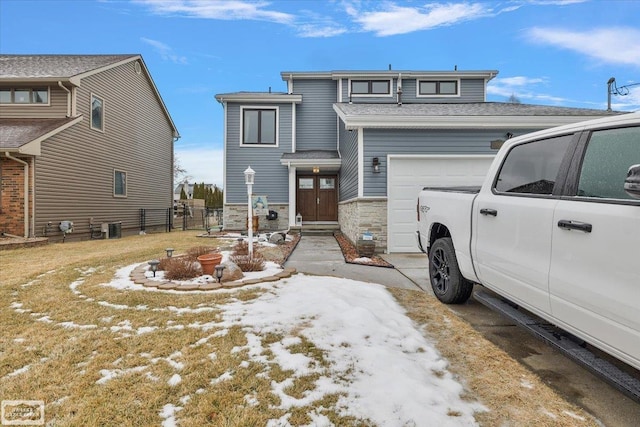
104,229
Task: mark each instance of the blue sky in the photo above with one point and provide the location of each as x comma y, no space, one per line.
547,52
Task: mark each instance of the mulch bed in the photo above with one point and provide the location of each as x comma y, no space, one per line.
351,255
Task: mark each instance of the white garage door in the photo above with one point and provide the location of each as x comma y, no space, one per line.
407,175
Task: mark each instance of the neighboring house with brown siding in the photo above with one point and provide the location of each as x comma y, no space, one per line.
83,138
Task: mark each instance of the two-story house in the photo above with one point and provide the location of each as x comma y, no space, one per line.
353,148
84,139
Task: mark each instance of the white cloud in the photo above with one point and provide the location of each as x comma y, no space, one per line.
219,9
165,51
401,20
202,164
609,45
524,88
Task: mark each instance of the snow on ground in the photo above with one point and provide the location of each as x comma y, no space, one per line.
385,367
379,362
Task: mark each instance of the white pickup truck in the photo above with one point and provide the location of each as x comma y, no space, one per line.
555,228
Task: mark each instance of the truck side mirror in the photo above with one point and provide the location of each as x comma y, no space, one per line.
632,183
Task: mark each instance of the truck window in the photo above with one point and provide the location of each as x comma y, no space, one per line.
532,168
607,159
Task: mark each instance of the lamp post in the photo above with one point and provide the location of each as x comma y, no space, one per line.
249,176
169,252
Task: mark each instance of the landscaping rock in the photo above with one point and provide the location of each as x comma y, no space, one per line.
231,272
276,238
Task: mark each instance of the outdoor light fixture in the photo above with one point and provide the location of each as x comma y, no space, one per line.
219,272
509,135
153,265
169,252
316,169
249,177
376,165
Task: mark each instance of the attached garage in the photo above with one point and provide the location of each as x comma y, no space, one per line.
407,175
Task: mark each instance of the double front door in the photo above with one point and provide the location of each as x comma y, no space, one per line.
317,197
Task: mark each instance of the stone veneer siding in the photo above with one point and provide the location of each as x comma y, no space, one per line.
234,218
12,196
359,215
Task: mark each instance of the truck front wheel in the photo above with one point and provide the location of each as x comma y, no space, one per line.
446,280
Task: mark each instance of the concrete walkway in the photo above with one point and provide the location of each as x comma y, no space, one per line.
321,255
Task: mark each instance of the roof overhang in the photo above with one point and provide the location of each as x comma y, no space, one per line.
406,74
32,146
282,98
356,121
325,161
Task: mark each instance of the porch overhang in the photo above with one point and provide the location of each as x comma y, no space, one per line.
313,160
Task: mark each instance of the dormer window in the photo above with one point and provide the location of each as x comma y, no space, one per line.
438,88
370,87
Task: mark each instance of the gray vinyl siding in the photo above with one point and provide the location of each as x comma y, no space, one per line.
272,178
74,174
349,169
316,123
57,105
379,143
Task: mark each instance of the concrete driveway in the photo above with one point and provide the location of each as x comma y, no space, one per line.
321,255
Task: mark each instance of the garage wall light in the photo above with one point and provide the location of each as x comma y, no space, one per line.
376,165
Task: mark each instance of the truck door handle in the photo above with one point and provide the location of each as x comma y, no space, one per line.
491,212
574,225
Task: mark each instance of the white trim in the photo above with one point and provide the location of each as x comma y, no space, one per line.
438,95
321,163
456,122
277,129
292,195
339,94
259,97
93,95
360,163
293,127
224,153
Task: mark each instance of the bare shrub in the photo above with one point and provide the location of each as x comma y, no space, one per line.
181,268
246,264
194,252
164,263
241,248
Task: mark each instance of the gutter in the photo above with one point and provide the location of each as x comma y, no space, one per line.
26,192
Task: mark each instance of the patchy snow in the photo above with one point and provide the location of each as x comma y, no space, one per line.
168,415
174,380
109,374
382,365
573,415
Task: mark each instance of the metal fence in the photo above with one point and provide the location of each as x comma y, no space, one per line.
182,216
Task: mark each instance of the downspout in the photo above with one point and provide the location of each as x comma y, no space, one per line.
68,98
26,192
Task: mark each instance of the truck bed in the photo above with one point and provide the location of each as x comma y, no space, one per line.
470,190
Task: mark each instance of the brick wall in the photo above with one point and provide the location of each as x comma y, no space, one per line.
12,196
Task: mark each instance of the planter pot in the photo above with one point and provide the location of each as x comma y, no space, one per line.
209,262
366,248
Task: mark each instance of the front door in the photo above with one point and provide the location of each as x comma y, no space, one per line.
317,197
